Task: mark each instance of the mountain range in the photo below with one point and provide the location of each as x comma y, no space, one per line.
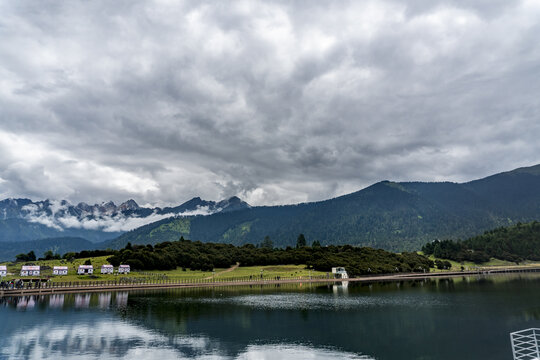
390,215
394,216
25,220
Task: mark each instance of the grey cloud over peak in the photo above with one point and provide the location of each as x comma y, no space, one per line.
276,102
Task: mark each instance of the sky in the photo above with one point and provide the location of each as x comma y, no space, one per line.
276,102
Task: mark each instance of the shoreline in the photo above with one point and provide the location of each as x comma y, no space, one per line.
92,288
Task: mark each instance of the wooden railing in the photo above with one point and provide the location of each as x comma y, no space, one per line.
33,284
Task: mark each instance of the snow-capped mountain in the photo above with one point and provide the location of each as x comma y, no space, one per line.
24,219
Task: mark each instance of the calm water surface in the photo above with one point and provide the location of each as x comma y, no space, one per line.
463,318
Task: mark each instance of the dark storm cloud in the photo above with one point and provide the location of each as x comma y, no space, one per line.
276,102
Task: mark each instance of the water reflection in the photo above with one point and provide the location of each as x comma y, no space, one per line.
82,301
341,288
56,301
60,301
104,300
420,319
121,299
121,340
26,302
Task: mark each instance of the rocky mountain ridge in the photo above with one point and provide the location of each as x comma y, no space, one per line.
24,219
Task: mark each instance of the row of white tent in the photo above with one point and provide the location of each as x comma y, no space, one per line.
34,270
105,269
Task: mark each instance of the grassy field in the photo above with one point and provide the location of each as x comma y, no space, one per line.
271,271
283,271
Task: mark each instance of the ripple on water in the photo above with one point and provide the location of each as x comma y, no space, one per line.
321,302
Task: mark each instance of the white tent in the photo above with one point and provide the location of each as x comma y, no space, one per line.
85,269
60,270
124,269
107,269
30,270
3,270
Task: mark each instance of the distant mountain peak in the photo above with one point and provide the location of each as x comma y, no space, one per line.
198,205
195,200
129,205
106,217
232,204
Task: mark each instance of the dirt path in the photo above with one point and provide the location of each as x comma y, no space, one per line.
232,268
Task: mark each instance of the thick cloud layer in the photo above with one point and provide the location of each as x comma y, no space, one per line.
276,102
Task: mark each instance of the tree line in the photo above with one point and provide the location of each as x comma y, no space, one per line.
516,243
196,255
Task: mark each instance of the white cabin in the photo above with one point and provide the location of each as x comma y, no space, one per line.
124,269
107,269
30,270
85,269
3,270
340,273
60,270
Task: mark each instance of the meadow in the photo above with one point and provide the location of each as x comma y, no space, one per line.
183,274
179,274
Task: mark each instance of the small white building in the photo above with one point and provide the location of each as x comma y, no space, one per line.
124,269
107,269
340,273
60,270
3,270
30,270
85,269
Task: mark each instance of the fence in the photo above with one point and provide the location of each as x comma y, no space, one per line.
142,281
525,344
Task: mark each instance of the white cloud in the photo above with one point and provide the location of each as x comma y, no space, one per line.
117,223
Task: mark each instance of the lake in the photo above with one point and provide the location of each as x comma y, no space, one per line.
460,318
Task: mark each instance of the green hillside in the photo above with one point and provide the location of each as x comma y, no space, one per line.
59,245
516,243
387,215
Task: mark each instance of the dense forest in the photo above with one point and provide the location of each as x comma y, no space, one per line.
196,255
515,243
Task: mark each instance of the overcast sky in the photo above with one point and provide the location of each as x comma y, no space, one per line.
276,102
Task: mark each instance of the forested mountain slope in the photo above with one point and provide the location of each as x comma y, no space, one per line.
59,246
388,215
515,243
